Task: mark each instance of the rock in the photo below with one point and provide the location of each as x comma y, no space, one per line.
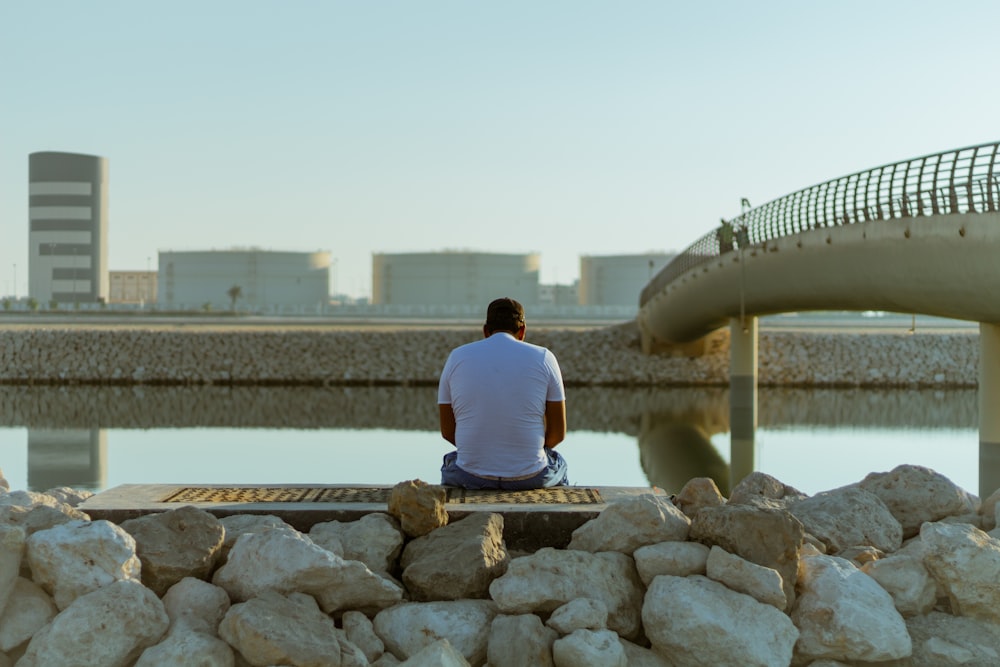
196,605
355,587
188,649
273,629
76,558
697,493
679,559
519,640
860,555
238,524
589,648
458,561
768,537
639,656
375,539
940,640
915,494
418,506
696,621
964,561
172,545
842,614
439,654
759,582
69,496
409,627
12,541
28,610
988,510
110,626
758,485
847,517
628,524
549,578
579,614
361,633
42,517
906,579
287,562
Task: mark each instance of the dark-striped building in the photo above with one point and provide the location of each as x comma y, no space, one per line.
68,236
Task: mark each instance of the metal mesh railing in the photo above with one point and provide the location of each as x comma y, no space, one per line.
966,180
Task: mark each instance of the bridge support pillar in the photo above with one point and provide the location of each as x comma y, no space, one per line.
742,397
989,408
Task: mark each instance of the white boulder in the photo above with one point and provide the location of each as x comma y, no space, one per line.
696,621
761,583
679,559
906,579
628,524
589,648
517,640
76,558
408,628
549,578
843,614
110,626
29,609
375,539
965,562
195,605
915,494
579,614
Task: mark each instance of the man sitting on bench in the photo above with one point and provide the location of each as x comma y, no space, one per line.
503,406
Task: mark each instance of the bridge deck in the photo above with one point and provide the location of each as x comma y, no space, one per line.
532,519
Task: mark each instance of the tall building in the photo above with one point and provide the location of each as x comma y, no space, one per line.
454,278
617,280
68,234
244,279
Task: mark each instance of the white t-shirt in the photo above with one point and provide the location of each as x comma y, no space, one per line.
497,388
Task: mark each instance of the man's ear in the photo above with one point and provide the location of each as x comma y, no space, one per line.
486,332
520,332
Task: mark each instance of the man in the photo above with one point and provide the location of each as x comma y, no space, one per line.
503,405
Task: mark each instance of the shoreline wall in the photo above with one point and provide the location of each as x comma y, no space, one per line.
608,356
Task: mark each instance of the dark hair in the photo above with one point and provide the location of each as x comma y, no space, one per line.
504,314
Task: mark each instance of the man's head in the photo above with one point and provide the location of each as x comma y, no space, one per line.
504,314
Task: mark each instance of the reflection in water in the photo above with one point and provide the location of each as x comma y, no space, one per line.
70,457
673,426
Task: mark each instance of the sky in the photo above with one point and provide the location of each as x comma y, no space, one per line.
558,127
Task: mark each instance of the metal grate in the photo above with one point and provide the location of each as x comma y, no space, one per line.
377,495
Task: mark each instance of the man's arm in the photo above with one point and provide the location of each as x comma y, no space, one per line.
447,422
555,422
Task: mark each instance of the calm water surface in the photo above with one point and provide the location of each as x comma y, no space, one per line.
814,440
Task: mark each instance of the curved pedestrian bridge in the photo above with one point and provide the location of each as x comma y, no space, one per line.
917,236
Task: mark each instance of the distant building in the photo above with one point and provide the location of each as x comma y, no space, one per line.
267,279
559,294
616,280
454,278
136,287
68,233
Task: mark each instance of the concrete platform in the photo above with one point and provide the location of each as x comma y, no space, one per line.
532,519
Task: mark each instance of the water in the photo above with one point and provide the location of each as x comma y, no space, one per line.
814,440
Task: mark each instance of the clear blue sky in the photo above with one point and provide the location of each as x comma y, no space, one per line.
563,127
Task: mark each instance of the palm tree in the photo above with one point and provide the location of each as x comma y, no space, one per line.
234,293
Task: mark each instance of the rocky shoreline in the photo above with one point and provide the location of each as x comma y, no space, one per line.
896,569
600,356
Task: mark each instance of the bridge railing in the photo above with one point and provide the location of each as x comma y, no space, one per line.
966,180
